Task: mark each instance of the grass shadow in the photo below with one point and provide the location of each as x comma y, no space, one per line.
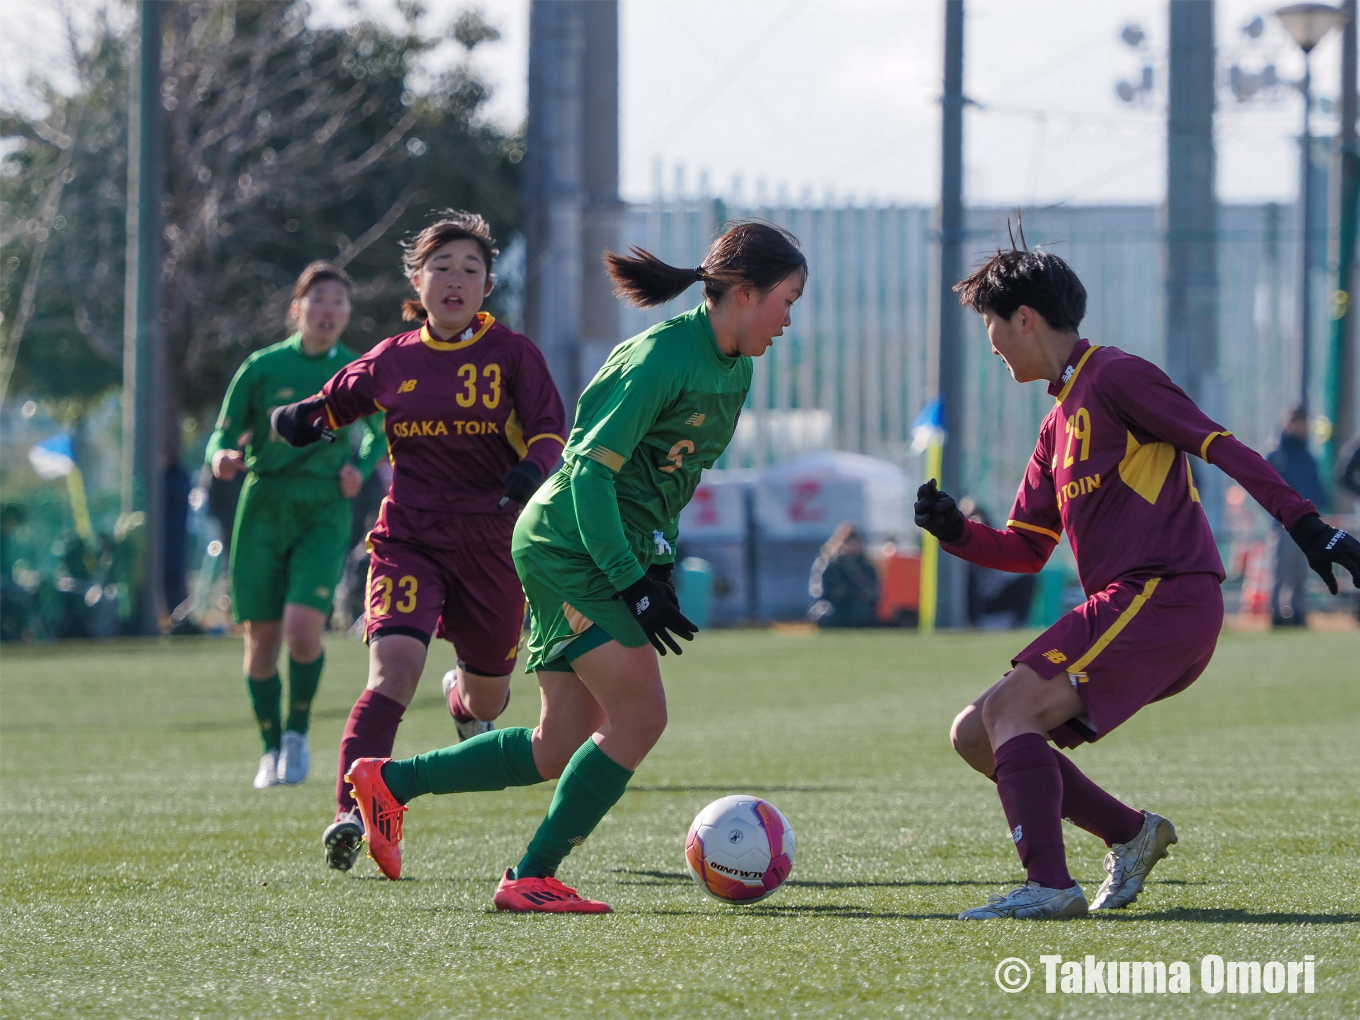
679,877
1228,915
835,910
727,789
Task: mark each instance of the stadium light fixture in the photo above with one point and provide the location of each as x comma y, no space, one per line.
1308,23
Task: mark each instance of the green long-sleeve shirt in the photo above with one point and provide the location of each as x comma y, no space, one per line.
660,410
281,374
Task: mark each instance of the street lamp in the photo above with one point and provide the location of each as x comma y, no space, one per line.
1308,23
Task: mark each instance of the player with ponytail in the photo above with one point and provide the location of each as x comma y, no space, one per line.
595,549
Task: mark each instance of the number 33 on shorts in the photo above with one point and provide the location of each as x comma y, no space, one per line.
380,598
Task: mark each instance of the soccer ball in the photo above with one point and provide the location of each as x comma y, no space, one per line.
739,849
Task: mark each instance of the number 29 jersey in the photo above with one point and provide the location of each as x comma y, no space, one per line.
458,413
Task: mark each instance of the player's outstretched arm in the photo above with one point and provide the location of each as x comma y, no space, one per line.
303,423
1018,549
1326,546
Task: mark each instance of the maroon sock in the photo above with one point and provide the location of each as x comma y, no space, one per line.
1031,788
370,733
1089,807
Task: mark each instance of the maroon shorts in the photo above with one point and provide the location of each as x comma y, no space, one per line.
1132,644
448,574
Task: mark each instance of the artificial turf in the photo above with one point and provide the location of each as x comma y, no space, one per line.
143,877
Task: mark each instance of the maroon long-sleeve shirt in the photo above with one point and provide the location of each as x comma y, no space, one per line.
1112,469
458,413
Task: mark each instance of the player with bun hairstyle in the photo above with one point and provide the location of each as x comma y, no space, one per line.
1112,469
293,523
474,424
595,549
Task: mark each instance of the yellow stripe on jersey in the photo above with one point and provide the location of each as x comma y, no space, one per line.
1119,624
1034,527
430,340
606,456
1204,447
1190,478
1145,467
546,435
514,435
1067,387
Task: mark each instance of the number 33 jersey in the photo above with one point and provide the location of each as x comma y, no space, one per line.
459,413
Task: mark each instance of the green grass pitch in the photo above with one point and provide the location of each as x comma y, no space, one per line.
143,877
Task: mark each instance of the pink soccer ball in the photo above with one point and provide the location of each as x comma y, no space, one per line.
739,849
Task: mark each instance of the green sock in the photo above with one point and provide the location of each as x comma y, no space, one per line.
489,761
264,698
303,680
591,784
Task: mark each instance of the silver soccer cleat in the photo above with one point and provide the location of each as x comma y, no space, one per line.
343,839
294,757
268,774
1127,864
467,728
1032,901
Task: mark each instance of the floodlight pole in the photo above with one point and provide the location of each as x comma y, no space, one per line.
953,579
143,371
1342,354
1306,237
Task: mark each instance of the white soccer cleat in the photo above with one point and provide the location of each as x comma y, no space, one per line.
1032,901
1127,864
268,775
467,728
470,729
294,757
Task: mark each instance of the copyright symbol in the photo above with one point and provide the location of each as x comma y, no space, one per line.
1012,974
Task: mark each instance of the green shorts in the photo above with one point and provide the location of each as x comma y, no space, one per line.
572,608
289,544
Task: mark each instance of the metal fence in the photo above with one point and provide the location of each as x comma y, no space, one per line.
853,371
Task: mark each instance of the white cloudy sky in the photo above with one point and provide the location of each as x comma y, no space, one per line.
840,96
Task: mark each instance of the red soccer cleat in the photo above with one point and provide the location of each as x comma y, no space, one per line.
544,896
381,814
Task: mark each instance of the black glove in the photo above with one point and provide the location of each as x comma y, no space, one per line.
1325,545
302,423
938,514
521,482
654,604
665,573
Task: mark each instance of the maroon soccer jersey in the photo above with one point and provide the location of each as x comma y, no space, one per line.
458,413
1112,468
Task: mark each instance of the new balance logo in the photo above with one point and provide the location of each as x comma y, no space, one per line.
1054,656
695,419
576,840
1017,834
643,605
407,386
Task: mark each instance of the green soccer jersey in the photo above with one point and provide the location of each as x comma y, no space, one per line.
281,374
663,408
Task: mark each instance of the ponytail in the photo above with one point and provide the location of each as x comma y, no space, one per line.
755,253
413,311
643,280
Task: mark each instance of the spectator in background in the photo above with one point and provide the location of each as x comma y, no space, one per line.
844,582
175,535
1288,595
1348,467
996,600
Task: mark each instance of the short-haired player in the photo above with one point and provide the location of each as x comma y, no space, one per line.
293,523
474,424
1111,468
595,550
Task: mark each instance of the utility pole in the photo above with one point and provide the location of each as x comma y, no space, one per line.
952,606
1190,228
143,371
1342,353
572,208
